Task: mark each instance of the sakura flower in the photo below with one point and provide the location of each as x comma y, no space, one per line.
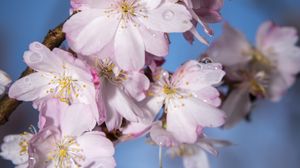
266,70
52,148
57,75
15,148
64,142
119,93
278,45
128,27
4,81
189,99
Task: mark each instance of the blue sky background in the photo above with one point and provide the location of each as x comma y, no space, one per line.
270,140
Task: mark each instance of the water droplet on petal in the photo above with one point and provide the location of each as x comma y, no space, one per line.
37,45
206,60
168,15
35,58
27,80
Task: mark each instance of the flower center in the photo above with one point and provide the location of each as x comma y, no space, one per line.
127,8
67,154
126,11
24,147
65,88
260,58
107,70
168,90
24,143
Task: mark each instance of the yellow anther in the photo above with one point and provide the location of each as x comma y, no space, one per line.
168,90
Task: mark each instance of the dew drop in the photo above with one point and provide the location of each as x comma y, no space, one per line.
206,60
35,58
168,15
27,80
37,45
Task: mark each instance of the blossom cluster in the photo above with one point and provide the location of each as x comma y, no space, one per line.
111,81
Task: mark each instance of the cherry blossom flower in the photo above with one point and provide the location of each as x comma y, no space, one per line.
128,27
189,99
62,143
57,75
15,148
52,148
119,93
266,70
4,81
278,45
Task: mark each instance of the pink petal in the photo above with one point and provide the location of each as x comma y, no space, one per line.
42,144
97,149
161,136
186,115
203,114
135,130
151,4
136,85
196,76
89,31
155,42
183,130
80,114
129,48
151,106
118,102
237,105
50,113
168,17
89,4
197,160
29,88
278,44
210,95
40,58
230,48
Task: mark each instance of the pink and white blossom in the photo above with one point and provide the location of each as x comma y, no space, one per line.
62,143
189,99
53,148
57,75
266,70
15,149
278,45
128,27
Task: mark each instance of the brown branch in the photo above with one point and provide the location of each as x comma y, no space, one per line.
53,39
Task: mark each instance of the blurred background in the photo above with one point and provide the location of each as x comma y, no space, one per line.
270,140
